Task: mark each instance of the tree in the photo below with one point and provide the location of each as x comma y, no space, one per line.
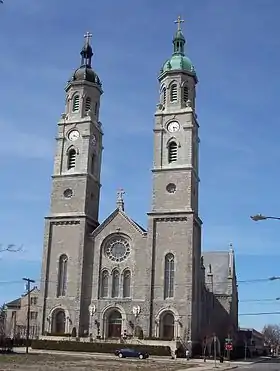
272,335
2,320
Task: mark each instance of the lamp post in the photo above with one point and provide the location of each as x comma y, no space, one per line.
259,217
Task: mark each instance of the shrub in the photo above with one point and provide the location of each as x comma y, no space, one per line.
75,346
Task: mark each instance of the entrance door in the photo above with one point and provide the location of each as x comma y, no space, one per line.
114,324
168,326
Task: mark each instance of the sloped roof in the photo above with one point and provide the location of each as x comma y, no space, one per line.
14,303
112,216
219,261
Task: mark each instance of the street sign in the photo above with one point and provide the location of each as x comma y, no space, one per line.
228,340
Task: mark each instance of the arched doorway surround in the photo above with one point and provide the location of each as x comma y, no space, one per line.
58,320
167,324
114,321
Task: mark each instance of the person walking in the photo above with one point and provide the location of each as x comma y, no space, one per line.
187,354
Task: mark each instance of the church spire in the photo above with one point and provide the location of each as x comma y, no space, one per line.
86,52
120,200
179,39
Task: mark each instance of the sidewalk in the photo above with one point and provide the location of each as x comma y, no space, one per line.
209,365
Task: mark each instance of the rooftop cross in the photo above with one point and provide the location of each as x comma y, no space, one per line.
120,201
179,21
88,36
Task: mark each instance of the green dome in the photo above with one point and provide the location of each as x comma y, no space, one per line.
178,62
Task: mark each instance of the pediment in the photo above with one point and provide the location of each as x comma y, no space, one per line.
123,219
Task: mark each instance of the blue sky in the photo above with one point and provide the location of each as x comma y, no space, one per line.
235,48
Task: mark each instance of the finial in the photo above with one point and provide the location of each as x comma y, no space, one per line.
120,201
178,22
87,37
86,52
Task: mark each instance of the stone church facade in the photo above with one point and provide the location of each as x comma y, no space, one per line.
118,279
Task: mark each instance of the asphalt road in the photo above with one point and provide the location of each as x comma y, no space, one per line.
265,365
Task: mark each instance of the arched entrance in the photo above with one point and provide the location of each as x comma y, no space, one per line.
58,322
167,326
114,324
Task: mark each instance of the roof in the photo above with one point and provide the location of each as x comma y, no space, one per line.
219,261
112,216
14,303
17,302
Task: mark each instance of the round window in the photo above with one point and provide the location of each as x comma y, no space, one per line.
117,249
68,193
171,188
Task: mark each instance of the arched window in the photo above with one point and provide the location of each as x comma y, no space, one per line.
185,93
173,93
96,108
115,284
88,104
169,271
172,152
62,275
105,284
76,103
126,283
72,154
163,95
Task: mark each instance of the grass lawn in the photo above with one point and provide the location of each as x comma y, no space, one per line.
55,362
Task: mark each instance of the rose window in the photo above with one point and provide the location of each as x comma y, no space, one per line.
117,249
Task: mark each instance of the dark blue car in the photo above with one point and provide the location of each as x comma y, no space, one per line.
129,352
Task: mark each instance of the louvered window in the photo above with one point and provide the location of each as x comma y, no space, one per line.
76,103
172,152
163,96
88,104
173,93
185,93
71,158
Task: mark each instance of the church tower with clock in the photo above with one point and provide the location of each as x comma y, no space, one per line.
174,225
74,202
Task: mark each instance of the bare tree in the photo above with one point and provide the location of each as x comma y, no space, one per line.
11,247
272,336
2,320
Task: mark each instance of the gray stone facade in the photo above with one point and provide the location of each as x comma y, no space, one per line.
117,279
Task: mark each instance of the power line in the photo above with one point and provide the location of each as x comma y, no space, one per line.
214,283
257,313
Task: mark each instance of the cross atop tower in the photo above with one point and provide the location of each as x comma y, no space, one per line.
179,21
120,201
88,36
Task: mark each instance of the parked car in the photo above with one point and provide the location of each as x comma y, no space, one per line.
129,352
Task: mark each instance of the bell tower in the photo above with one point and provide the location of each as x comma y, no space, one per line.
67,260
174,224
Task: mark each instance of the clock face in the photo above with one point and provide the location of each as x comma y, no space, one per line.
73,135
173,126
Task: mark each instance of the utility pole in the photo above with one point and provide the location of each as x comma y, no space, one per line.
29,281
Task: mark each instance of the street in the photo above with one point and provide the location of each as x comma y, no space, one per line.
264,365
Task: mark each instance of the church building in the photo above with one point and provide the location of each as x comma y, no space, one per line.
115,278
